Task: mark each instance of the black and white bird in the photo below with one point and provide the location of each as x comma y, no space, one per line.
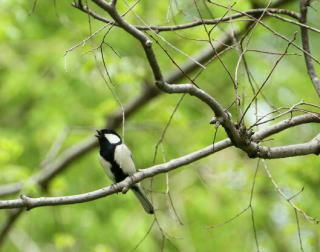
116,159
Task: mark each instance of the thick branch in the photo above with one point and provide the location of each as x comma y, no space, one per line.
310,147
285,124
28,202
306,47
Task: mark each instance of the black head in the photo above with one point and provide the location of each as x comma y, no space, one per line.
108,136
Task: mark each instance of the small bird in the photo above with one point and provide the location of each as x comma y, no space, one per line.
116,159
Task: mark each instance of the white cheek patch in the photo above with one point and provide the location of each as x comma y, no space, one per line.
113,139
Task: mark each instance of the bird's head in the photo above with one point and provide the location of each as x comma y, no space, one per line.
108,135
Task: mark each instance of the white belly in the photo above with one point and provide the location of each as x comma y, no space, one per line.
107,168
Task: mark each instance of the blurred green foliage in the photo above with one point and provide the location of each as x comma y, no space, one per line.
45,91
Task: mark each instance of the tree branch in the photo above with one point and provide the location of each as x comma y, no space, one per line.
215,21
29,202
294,22
191,89
9,222
306,47
311,147
276,152
285,124
238,136
149,93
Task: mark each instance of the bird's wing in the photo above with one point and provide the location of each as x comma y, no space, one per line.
122,156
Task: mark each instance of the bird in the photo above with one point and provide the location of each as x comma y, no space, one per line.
116,159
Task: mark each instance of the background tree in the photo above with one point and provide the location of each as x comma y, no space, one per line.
159,72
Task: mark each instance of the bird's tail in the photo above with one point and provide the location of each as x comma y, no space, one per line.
147,206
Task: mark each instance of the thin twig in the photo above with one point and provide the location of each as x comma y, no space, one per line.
9,222
216,21
251,207
271,30
268,77
294,22
298,229
231,219
144,237
288,200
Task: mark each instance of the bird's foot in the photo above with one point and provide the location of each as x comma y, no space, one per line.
114,187
129,182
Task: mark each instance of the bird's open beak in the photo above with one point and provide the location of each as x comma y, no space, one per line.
98,134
